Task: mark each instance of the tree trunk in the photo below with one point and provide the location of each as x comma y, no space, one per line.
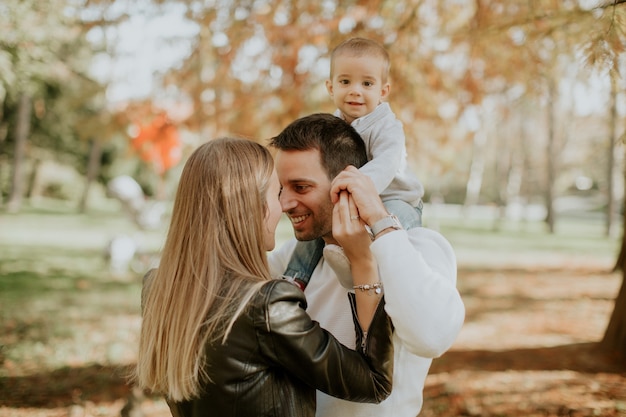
22,130
516,172
621,257
528,174
500,179
614,339
93,166
550,162
477,169
32,180
3,134
610,206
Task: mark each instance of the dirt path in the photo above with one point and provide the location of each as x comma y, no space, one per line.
527,349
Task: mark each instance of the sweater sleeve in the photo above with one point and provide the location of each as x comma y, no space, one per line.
292,340
385,154
418,271
386,151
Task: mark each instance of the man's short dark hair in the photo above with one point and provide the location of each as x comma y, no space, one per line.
338,143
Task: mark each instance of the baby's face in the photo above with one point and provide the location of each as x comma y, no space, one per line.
357,86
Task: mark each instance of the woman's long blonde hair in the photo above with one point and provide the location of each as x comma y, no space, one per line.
212,258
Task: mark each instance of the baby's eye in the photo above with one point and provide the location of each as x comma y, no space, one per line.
368,83
344,82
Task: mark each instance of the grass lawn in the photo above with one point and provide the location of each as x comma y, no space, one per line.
62,309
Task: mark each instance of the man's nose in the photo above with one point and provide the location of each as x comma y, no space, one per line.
287,200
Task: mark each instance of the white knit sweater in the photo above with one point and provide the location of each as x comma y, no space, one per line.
418,271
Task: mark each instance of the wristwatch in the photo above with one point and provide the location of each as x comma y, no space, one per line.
386,222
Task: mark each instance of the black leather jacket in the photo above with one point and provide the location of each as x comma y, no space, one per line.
276,357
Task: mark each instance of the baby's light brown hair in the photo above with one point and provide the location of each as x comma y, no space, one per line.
360,47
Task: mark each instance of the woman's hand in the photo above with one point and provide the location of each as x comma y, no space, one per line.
362,193
349,229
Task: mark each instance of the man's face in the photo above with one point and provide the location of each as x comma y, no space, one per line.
305,195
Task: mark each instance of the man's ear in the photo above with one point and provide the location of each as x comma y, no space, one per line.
329,87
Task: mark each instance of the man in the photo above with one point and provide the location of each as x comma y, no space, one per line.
417,267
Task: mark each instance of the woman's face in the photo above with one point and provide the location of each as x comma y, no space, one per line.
274,211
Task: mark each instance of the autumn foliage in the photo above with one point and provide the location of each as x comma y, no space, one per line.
158,143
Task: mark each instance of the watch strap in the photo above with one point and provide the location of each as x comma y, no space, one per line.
386,222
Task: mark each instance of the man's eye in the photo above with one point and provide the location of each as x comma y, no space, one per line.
280,191
301,188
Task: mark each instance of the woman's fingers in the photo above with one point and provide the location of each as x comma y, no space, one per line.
363,193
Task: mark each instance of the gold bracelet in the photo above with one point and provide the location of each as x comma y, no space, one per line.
376,288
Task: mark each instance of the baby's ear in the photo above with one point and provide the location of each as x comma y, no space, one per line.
385,90
329,87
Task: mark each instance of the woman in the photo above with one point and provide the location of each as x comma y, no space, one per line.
219,336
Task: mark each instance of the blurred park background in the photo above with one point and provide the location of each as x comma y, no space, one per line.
514,113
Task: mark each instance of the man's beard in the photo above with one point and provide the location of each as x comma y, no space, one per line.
322,225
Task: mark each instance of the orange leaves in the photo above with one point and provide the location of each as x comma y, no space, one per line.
158,143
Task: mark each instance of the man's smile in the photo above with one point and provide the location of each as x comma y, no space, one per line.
298,219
